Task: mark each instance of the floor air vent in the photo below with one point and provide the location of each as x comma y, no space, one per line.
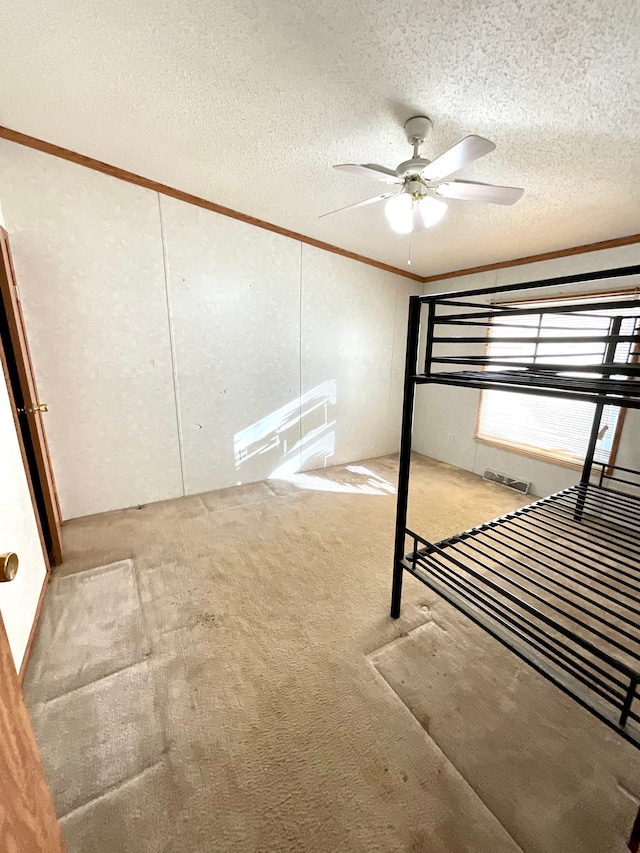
506,480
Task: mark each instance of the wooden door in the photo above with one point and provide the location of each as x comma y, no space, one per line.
30,409
27,815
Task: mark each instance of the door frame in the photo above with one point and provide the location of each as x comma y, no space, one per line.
18,371
27,813
23,453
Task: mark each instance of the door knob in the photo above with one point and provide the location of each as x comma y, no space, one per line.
8,566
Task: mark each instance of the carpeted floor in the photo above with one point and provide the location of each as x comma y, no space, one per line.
220,673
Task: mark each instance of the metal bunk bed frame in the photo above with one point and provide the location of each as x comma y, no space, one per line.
557,581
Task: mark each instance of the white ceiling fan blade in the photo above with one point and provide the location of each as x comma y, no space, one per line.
472,191
457,157
359,204
370,170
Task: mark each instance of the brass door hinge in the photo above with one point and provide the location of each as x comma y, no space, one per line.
41,407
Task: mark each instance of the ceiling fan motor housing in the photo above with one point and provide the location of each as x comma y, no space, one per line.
412,167
416,188
417,129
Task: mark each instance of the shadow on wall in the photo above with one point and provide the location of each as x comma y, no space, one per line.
276,435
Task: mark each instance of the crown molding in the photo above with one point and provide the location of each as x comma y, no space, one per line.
545,256
156,186
164,189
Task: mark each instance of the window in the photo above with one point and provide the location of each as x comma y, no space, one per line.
549,427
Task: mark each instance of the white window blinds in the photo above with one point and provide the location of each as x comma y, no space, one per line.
548,426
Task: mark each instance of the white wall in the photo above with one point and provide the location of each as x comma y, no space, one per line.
446,417
181,351
89,264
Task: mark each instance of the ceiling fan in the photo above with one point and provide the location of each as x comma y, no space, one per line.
416,203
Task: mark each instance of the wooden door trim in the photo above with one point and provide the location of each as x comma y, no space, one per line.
28,817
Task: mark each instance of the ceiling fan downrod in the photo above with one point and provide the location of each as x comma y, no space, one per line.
416,129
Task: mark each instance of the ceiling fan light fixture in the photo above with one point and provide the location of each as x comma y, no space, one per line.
399,213
431,210
402,225
399,205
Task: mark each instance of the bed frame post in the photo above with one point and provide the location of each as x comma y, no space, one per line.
610,354
591,447
411,364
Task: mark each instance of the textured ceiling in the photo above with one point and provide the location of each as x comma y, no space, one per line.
249,103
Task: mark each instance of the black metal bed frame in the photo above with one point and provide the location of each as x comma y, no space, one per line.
557,581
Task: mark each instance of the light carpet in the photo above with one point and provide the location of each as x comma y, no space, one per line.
217,694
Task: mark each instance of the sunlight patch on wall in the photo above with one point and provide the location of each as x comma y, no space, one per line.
278,434
315,447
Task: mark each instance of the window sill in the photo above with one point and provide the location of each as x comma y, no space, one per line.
531,452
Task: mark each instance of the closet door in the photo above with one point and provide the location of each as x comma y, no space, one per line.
17,365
